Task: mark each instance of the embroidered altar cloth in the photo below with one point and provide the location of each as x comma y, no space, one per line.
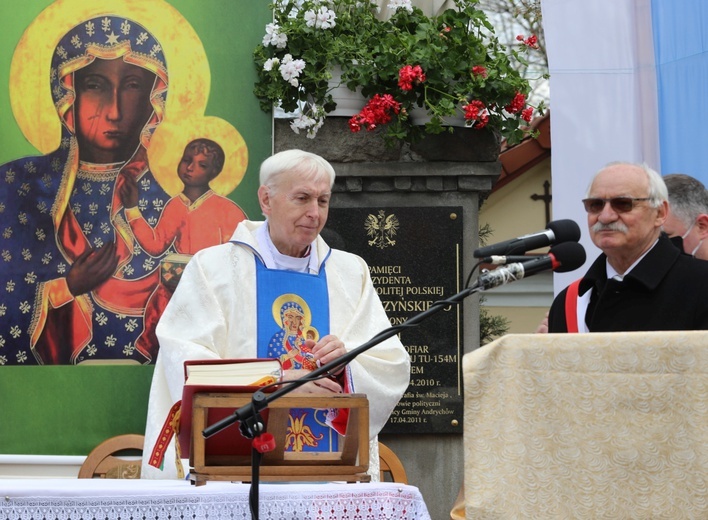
105,499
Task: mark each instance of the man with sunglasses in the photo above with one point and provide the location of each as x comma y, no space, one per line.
641,281
687,221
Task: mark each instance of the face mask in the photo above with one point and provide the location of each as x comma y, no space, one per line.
700,242
683,237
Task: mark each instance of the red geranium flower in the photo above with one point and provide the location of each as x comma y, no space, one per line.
476,111
478,70
526,114
376,112
531,42
516,104
408,75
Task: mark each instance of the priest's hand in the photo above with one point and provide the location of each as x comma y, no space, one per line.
325,385
326,350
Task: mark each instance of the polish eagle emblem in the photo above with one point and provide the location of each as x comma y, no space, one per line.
381,229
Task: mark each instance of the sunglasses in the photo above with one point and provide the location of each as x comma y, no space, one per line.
618,204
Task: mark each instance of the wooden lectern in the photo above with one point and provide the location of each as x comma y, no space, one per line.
349,464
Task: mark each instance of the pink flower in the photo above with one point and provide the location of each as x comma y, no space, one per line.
531,42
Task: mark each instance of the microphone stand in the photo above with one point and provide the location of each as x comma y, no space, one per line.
249,414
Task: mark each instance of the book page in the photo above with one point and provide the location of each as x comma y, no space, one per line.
249,373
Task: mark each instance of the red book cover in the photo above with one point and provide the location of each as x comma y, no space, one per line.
226,376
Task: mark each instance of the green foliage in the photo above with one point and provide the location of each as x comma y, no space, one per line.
490,327
371,53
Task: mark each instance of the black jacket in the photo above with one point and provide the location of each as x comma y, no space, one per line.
667,290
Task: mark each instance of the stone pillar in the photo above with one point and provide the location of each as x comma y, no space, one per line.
445,170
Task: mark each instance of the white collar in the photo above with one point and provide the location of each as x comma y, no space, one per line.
274,259
612,273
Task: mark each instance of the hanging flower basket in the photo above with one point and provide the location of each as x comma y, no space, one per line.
422,116
447,65
348,102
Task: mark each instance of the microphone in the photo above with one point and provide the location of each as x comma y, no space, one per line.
562,258
556,232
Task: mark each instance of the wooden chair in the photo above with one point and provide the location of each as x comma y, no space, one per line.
391,466
105,460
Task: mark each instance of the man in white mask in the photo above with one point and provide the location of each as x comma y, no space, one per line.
688,214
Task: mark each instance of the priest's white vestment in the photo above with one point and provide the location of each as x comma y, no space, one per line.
212,315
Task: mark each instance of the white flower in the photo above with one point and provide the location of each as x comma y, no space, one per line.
282,5
400,4
274,37
370,4
303,122
312,132
323,19
268,65
271,31
280,40
290,69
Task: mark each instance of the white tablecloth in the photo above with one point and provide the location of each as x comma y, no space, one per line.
104,499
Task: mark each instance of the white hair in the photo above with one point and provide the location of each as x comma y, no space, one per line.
658,192
310,165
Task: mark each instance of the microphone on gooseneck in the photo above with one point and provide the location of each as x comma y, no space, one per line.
556,232
565,257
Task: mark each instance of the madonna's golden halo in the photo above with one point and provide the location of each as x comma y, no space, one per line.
30,95
282,300
171,137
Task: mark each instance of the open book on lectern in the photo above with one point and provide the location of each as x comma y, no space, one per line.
223,376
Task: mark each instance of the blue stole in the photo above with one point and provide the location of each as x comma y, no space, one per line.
291,308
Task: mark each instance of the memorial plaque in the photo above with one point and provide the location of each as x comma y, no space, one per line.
414,256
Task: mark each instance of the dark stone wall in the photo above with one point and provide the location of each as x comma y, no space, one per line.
337,143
